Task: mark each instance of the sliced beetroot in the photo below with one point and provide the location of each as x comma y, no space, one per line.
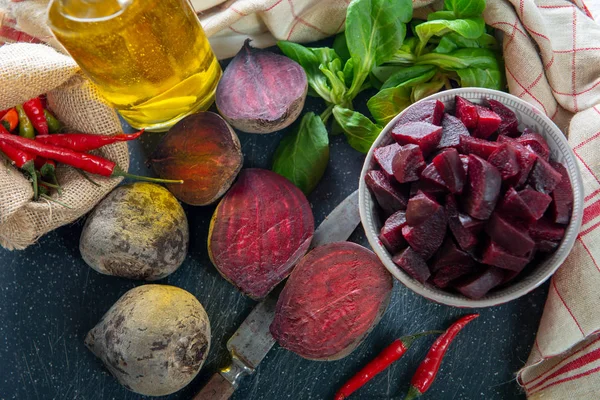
464,228
509,125
452,129
537,202
515,239
543,177
425,135
525,157
495,255
466,112
428,236
562,196
408,163
260,229
505,161
536,143
482,189
413,264
546,246
420,207
450,168
389,196
349,292
447,274
478,285
430,111
385,157
449,254
545,229
391,232
513,204
487,122
480,147
431,175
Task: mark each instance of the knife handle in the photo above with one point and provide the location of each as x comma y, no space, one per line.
217,388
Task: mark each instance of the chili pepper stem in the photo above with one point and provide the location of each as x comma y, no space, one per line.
30,169
119,172
45,196
87,177
50,185
413,393
411,338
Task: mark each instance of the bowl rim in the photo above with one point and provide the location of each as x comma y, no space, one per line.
457,300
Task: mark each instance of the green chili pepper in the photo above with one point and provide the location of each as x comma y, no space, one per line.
25,126
53,124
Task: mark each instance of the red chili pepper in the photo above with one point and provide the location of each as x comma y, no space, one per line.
86,162
10,120
22,160
429,367
3,112
84,142
35,112
383,360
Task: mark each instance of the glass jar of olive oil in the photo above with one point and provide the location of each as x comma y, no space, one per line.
150,59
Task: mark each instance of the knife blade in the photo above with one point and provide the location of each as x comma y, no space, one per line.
252,340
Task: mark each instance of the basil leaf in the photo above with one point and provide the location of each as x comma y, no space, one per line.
453,41
471,28
386,104
359,130
490,78
461,58
422,90
415,74
348,72
445,14
341,47
465,8
383,73
302,156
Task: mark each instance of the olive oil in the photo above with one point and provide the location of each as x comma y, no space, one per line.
150,59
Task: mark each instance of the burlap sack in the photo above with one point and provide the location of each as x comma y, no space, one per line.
26,71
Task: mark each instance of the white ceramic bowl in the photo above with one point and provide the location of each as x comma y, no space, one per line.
528,116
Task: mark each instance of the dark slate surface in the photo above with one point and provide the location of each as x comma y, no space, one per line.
49,299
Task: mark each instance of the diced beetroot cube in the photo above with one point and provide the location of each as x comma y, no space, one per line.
516,207
543,177
431,175
487,122
413,264
536,143
466,112
430,111
450,168
478,285
427,187
391,233
544,229
408,163
482,189
428,236
505,161
463,227
495,255
562,196
480,147
425,135
465,162
449,254
420,208
514,239
546,246
525,157
452,128
385,156
449,273
537,202
389,196
509,125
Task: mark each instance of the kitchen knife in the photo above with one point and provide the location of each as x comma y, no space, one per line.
252,341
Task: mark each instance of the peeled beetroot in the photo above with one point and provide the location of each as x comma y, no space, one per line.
509,125
259,231
425,135
536,143
505,161
334,297
428,236
537,202
480,147
431,175
544,229
543,177
430,111
449,273
452,129
385,156
482,189
408,163
487,122
413,264
478,285
391,232
464,228
260,91
527,204
466,112
389,195
562,196
450,168
495,255
449,254
515,239
525,158
420,207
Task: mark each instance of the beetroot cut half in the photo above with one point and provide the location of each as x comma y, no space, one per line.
334,297
259,230
391,233
430,111
389,195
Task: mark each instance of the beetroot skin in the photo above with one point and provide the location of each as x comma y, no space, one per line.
334,297
430,111
425,135
259,231
391,233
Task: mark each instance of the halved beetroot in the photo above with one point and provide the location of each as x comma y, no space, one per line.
544,229
515,239
449,254
478,285
431,175
420,207
349,292
509,125
391,232
487,122
525,157
428,236
258,232
430,111
535,142
464,228
408,163
466,112
450,168
480,147
495,255
482,189
537,202
452,129
385,157
505,161
543,177
447,274
413,264
562,196
425,135
389,196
